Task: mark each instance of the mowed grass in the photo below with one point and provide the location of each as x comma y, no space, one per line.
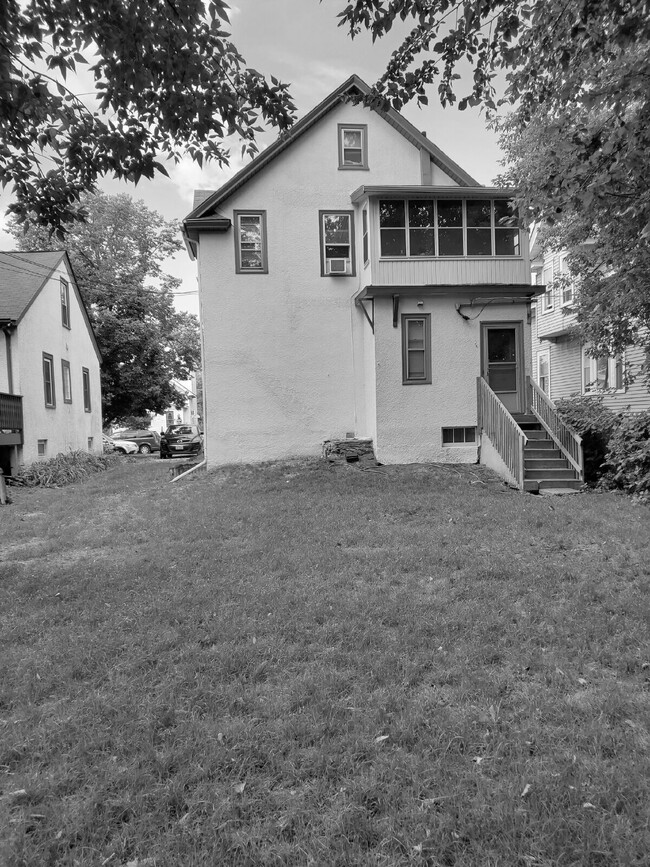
311,664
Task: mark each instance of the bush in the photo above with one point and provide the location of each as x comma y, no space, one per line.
595,423
62,470
628,456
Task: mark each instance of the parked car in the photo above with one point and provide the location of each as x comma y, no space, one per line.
147,440
124,447
181,439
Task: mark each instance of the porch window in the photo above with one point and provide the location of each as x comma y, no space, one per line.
85,377
67,382
65,303
353,146
250,242
416,349
447,227
337,243
48,380
602,373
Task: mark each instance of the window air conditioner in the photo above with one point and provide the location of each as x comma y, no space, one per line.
337,266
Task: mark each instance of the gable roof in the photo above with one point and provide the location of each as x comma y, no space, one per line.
24,274
354,85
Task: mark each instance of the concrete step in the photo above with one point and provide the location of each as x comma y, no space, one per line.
551,475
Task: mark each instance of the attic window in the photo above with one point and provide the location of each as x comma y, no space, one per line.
353,146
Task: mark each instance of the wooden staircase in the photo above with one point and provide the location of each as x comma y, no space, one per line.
545,467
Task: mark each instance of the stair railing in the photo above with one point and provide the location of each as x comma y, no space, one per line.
564,437
505,434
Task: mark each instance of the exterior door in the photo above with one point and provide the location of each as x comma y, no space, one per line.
502,362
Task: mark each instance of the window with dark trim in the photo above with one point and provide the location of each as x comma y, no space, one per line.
67,381
416,348
48,380
337,243
447,227
85,377
251,255
41,448
353,146
65,303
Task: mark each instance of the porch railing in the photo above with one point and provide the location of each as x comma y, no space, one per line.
11,412
565,438
505,434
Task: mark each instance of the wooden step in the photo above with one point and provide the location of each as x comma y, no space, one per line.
552,474
537,450
537,434
555,462
571,484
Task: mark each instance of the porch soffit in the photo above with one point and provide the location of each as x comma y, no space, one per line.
525,291
429,192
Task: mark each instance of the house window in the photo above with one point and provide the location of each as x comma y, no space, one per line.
544,371
41,448
91,441
416,349
353,146
85,376
602,374
567,288
547,297
458,436
169,417
447,227
67,382
337,243
366,250
65,303
48,380
250,242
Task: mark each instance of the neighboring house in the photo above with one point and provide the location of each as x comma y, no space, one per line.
50,393
563,366
355,281
189,414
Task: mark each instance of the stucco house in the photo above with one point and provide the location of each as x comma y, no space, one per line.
562,366
50,392
355,281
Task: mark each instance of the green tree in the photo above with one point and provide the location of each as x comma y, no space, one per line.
166,80
118,256
576,83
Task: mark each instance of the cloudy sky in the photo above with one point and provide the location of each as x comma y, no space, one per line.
300,43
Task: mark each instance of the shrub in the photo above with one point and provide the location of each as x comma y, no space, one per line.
595,423
62,470
628,456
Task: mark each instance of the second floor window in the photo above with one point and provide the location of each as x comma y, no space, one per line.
547,297
67,382
447,227
65,303
353,146
250,242
567,288
601,374
48,380
337,243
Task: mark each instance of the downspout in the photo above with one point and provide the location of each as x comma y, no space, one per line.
191,470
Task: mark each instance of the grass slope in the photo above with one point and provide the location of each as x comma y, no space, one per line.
306,664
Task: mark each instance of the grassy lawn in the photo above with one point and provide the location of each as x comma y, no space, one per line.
311,664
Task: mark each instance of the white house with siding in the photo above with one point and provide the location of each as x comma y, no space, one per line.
50,391
563,366
355,281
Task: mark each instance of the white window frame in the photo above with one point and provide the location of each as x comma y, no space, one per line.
567,291
590,380
544,354
548,298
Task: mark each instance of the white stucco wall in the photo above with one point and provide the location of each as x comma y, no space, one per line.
66,426
410,418
278,347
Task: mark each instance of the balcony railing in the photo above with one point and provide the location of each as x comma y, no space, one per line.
505,434
11,413
565,438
